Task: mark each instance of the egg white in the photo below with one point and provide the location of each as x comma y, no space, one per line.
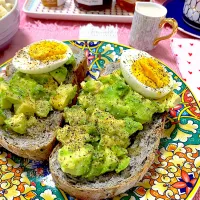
126,61
24,63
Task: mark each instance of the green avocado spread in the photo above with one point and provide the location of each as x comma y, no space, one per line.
33,96
97,133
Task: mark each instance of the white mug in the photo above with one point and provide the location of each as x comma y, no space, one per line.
191,13
148,20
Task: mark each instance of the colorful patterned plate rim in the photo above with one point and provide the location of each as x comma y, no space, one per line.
174,174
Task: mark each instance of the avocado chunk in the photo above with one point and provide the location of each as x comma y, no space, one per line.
64,96
51,86
77,162
119,151
4,103
71,61
132,126
2,117
85,101
110,140
123,164
17,123
3,86
39,92
110,161
12,97
43,108
73,136
27,107
41,78
142,109
21,86
59,74
75,119
112,131
32,121
97,165
92,86
27,86
107,123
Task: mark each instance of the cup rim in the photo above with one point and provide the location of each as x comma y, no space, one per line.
151,3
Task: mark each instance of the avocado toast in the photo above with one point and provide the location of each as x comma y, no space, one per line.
30,133
112,184
118,151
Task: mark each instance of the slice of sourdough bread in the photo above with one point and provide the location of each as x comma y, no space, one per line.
40,140
37,143
142,153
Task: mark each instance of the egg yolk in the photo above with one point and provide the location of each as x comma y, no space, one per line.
47,50
150,73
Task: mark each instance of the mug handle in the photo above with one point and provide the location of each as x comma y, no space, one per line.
174,25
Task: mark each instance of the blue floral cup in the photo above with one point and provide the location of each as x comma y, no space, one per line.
191,13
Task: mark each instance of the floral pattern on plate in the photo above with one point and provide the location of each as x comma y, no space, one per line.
174,174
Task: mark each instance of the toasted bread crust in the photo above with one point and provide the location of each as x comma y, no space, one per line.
100,193
39,153
38,150
35,145
81,68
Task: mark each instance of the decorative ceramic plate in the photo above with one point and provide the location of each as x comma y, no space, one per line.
174,174
175,10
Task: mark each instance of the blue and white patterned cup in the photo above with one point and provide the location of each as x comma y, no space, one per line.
191,13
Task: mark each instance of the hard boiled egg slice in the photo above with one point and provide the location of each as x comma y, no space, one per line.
42,57
145,74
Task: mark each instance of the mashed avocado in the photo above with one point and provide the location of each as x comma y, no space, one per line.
29,95
107,114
